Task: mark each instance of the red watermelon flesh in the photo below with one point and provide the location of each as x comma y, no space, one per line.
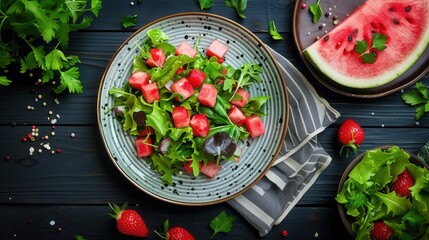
404,22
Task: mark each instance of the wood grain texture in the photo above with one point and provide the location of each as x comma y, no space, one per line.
61,194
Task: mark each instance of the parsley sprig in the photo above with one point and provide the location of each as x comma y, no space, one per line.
38,35
418,96
222,223
369,54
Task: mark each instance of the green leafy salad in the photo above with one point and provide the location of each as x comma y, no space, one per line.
368,195
177,128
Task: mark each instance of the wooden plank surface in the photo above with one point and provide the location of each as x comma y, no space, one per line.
58,195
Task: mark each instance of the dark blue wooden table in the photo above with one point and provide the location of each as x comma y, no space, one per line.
65,193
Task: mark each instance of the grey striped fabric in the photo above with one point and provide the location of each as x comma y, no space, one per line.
300,161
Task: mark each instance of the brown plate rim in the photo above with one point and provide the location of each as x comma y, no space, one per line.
350,92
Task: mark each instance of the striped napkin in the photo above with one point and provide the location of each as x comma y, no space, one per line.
300,161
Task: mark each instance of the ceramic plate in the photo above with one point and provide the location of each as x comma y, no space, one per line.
258,155
305,33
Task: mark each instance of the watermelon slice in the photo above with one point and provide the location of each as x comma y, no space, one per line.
405,23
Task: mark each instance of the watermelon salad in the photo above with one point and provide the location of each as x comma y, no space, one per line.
187,111
377,43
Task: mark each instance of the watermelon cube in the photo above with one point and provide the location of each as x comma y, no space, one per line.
210,169
182,87
255,126
236,115
196,78
200,125
138,79
157,58
185,48
150,92
218,50
243,95
144,146
146,131
181,117
207,95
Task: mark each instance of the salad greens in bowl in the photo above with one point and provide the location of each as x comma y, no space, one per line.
384,193
193,109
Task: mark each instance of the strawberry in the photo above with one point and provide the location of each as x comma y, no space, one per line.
174,233
403,183
350,136
128,221
381,231
179,233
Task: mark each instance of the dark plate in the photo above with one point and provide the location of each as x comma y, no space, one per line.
347,219
305,33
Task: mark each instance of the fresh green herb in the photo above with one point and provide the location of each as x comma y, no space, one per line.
129,21
239,5
369,54
274,33
316,11
79,237
222,223
418,96
367,195
205,4
32,26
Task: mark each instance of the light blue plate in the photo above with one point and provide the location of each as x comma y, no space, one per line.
258,154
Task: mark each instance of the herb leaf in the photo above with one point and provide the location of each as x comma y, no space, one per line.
222,223
33,25
361,46
379,41
316,11
205,4
273,31
369,54
418,96
239,5
129,21
368,58
4,81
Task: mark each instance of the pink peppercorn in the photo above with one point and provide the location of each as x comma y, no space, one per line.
284,233
303,6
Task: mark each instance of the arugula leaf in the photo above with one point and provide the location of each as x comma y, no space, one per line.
273,32
222,223
205,4
417,96
129,21
316,11
239,5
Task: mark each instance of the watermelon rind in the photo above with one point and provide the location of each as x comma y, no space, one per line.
330,69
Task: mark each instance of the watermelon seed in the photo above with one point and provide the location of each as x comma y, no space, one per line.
396,21
408,8
326,38
350,38
391,9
